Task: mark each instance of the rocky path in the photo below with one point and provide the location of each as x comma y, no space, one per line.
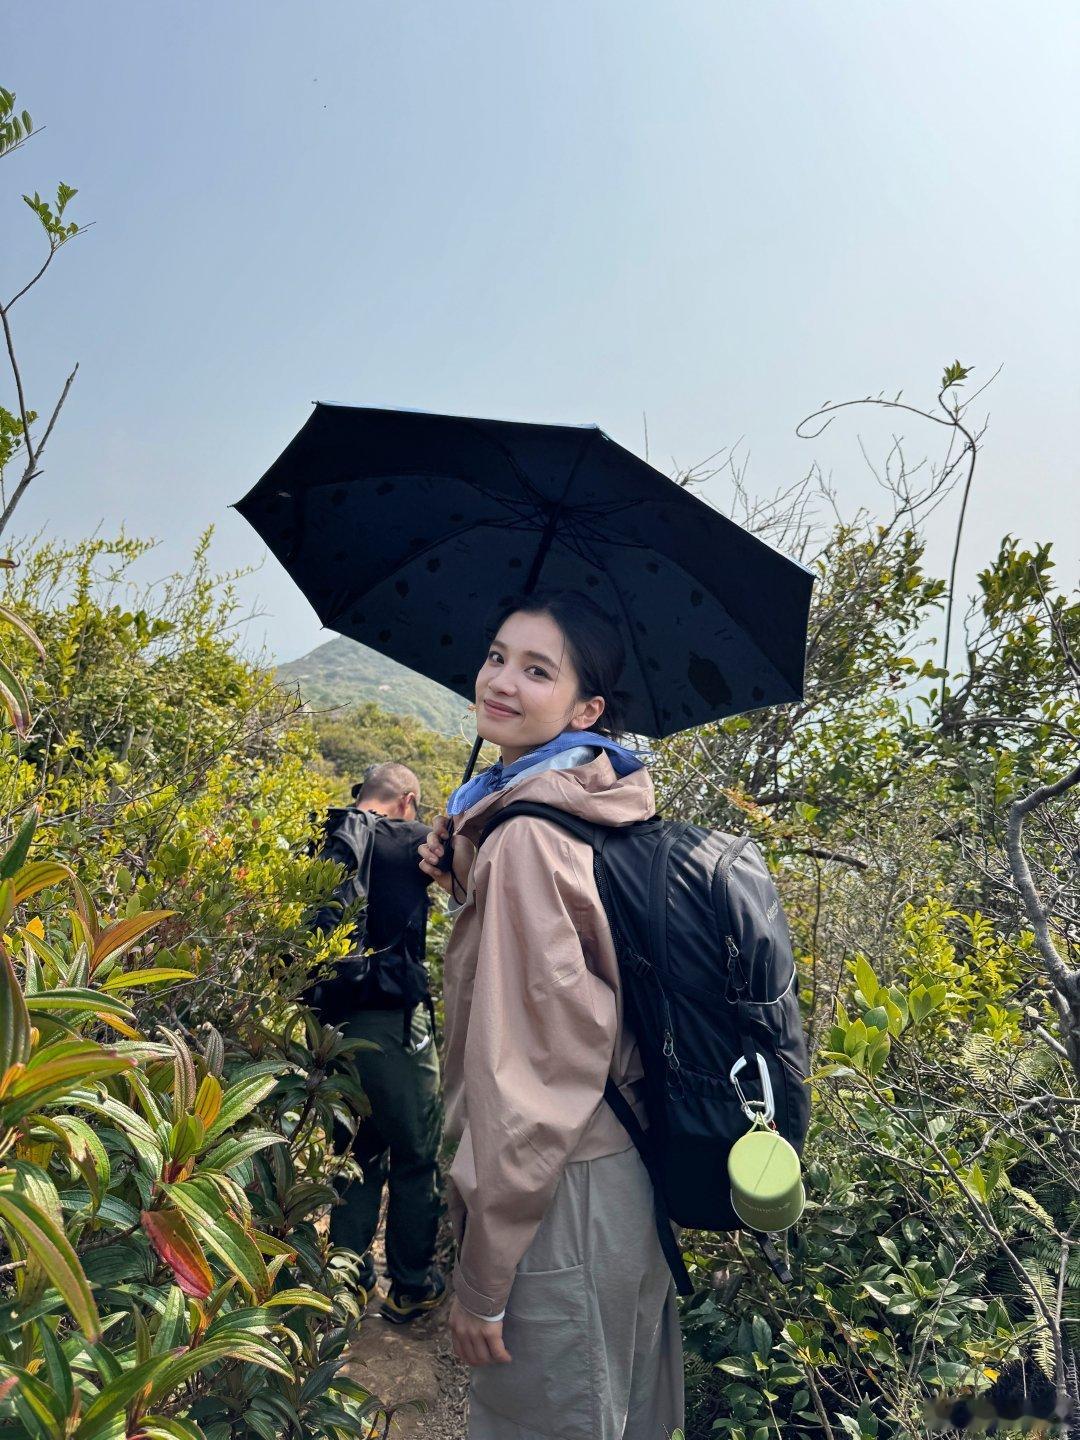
412,1370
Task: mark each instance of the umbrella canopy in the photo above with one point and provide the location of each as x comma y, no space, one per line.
405,530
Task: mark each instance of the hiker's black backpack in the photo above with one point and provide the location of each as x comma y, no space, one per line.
708,977
384,979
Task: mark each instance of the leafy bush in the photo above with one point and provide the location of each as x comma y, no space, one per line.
164,1102
937,1256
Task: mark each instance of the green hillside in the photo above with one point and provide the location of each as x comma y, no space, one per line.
343,672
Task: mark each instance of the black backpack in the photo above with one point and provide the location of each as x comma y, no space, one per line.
708,979
384,979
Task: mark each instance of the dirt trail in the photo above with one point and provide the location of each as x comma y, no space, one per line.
410,1363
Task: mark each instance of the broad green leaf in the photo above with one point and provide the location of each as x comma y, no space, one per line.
114,1399
14,1019
889,1246
172,1328
185,1138
183,1077
140,979
50,1246
878,1052
51,1074
231,1153
763,1337
109,1210
311,1298
56,1364
253,1319
15,856
77,1000
36,1185
977,1180
271,1245
866,980
251,1348
238,1101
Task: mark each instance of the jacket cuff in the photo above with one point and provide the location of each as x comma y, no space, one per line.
485,1307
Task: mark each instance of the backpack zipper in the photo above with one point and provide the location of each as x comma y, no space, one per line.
734,954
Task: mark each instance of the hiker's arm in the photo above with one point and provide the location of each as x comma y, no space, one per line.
541,1035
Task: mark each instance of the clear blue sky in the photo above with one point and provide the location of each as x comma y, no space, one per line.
718,212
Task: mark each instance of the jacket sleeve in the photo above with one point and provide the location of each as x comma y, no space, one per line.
541,1034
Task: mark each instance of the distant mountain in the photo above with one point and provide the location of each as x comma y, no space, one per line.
343,672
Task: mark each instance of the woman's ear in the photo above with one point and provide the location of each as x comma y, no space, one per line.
587,713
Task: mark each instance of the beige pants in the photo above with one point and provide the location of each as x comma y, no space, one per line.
591,1322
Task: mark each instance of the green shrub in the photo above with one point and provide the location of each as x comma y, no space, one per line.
164,1101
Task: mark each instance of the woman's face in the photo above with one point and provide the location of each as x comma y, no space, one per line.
527,689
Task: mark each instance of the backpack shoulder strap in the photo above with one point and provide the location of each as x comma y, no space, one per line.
356,828
583,829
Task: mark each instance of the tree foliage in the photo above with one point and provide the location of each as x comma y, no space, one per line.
938,1255
165,1103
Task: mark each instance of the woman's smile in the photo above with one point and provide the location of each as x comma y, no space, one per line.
497,711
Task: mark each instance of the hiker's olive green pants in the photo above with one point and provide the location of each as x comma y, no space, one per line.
591,1322
397,1145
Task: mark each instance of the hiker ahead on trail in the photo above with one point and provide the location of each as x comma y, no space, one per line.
380,994
564,1302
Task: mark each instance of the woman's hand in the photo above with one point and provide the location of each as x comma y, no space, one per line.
476,1341
430,853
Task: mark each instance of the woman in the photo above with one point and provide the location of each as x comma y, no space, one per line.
563,1303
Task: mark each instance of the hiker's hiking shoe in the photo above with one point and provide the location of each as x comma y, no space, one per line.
401,1306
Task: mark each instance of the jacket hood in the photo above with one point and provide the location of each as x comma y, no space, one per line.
593,791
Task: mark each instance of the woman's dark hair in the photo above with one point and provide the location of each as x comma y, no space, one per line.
593,641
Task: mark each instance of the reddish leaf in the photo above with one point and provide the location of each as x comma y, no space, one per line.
174,1240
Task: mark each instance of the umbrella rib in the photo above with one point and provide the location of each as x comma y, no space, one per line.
552,521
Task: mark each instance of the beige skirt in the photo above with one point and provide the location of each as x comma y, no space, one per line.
591,1322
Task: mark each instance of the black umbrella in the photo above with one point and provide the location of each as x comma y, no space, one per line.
405,530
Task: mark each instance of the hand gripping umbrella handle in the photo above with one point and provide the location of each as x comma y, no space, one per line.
446,859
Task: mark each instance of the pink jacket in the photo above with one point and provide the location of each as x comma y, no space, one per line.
533,1020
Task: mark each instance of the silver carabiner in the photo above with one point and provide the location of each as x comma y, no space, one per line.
755,1109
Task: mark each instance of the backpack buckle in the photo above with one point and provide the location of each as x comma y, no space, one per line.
755,1110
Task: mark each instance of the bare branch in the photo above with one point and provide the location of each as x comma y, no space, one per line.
1066,982
32,471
